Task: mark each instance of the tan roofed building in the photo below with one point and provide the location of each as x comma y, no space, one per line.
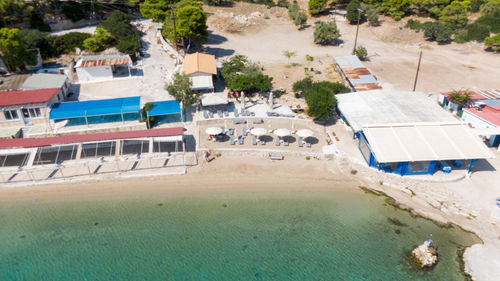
200,67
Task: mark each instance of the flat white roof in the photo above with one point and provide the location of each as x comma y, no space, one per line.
425,142
202,82
389,106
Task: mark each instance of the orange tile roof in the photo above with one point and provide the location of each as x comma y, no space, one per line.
199,62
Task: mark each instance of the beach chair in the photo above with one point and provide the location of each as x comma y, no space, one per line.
285,141
226,113
232,141
275,156
219,112
240,140
277,141
258,121
230,131
262,142
236,113
205,114
300,142
210,114
308,144
254,140
223,130
244,131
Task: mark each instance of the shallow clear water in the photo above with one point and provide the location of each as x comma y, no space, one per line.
337,235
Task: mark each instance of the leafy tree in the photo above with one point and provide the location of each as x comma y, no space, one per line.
14,11
289,54
372,14
232,66
156,9
427,7
99,41
490,7
243,75
361,53
191,23
475,5
37,39
395,8
68,42
317,6
325,32
436,31
320,98
180,89
293,9
492,21
353,11
414,25
302,86
473,32
73,11
13,49
455,14
493,42
300,19
126,35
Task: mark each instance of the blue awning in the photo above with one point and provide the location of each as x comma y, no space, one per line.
78,109
165,108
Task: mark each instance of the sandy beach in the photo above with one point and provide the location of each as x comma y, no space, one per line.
251,173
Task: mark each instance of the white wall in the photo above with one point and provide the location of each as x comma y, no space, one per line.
475,121
91,74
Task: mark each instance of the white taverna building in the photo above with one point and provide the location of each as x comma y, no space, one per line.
103,67
200,68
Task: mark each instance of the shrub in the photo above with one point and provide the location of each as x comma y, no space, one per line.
361,53
352,11
325,32
73,11
414,24
436,31
493,42
492,21
316,6
99,41
68,42
282,3
372,14
474,32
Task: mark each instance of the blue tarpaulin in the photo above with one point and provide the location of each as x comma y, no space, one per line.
165,108
67,110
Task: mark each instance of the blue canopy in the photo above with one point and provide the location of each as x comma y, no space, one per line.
67,110
165,108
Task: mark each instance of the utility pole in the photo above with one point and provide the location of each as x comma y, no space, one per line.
357,29
92,11
418,69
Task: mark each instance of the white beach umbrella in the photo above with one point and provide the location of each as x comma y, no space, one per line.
271,100
305,133
258,132
282,132
213,131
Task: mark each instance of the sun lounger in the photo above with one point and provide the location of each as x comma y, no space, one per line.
226,113
210,114
205,114
236,113
258,121
300,142
277,141
285,142
275,156
262,142
223,130
219,112
239,121
251,113
244,131
232,141
240,140
308,144
230,131
254,140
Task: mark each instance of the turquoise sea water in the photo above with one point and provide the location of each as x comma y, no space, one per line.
337,235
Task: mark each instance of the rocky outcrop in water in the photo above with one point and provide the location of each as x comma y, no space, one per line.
425,255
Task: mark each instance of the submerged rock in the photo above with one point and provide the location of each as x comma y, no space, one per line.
425,255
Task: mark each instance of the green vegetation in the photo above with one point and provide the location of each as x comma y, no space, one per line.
455,14
460,97
123,33
298,17
243,75
14,11
316,6
473,32
372,13
73,11
99,41
320,96
13,49
325,32
143,115
289,54
361,53
414,25
353,12
436,31
191,23
68,42
156,9
180,89
493,42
